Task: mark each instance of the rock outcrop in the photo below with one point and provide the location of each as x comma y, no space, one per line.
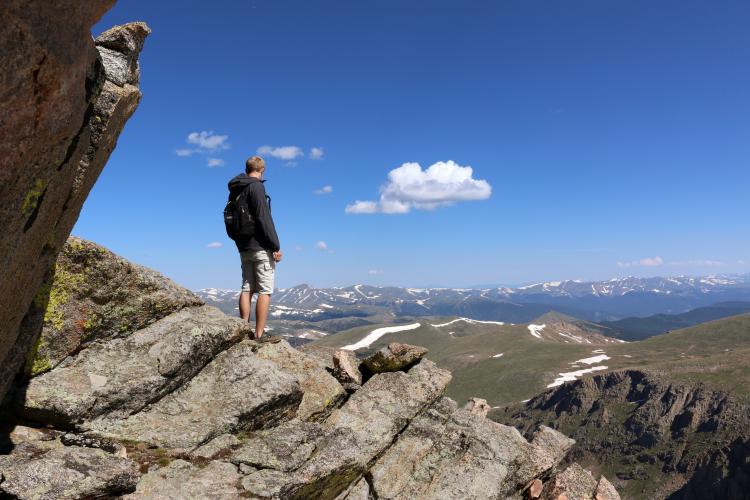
182,405
66,99
664,438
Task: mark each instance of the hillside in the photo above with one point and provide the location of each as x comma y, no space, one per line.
643,328
511,363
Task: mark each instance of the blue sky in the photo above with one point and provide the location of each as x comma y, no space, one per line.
613,138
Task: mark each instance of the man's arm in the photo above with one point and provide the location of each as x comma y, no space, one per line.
262,215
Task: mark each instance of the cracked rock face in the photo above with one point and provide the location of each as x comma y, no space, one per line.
63,107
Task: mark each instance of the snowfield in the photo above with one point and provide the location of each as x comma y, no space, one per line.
377,333
571,376
535,330
592,360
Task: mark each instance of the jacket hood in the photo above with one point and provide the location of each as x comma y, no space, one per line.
241,181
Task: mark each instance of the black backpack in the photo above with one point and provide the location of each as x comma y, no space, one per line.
237,219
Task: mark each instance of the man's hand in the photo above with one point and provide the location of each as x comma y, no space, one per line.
277,256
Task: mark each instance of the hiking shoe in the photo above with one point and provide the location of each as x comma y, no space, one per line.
269,339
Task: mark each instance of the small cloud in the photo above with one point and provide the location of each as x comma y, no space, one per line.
299,248
409,187
215,162
362,207
321,245
208,141
375,272
316,153
183,152
215,244
741,262
282,152
647,262
290,164
324,190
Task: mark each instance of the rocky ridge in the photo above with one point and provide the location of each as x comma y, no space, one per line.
186,406
66,99
653,436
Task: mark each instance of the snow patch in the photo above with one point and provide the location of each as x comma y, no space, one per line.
500,355
592,360
471,321
571,376
377,333
536,329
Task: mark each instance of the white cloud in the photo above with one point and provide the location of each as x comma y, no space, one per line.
362,207
316,153
324,190
215,244
321,245
409,187
741,262
208,141
647,262
282,152
375,272
299,248
184,152
215,162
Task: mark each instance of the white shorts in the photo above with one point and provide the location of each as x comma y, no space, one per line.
258,269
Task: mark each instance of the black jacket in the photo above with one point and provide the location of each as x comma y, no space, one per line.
264,237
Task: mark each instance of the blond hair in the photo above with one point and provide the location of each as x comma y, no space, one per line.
255,164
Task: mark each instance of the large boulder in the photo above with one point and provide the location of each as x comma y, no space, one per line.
122,376
41,470
93,295
237,391
181,479
63,107
322,392
394,357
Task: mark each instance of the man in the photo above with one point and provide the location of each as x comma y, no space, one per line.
260,252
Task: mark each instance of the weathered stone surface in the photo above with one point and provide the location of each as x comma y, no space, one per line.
61,117
181,480
359,491
477,406
266,483
365,426
394,357
605,490
236,391
450,454
122,376
38,471
97,295
548,448
284,448
221,445
321,390
575,483
346,367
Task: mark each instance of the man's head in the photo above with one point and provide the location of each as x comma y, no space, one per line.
255,166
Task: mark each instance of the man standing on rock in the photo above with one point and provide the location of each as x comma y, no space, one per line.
260,251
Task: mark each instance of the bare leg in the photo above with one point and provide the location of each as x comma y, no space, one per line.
261,313
245,299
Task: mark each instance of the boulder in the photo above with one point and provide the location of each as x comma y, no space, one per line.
574,483
284,448
346,367
322,392
122,376
236,391
451,453
63,108
181,479
394,357
477,406
52,471
97,295
605,490
362,429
